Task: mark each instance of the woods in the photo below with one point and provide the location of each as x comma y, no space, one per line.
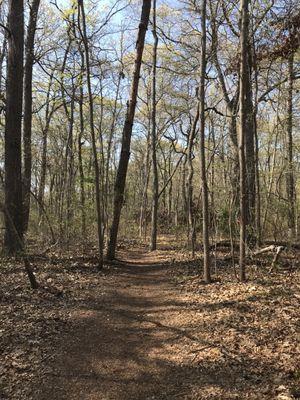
160,129
243,95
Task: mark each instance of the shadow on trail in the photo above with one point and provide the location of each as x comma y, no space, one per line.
128,347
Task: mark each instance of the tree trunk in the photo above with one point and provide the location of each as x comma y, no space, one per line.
184,194
2,58
93,135
244,86
27,122
48,115
205,225
107,193
256,141
190,189
127,132
13,129
290,180
80,166
70,164
153,242
144,200
250,145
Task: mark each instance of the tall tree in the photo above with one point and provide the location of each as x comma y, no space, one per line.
189,182
45,130
249,139
27,122
290,180
92,129
153,242
244,130
127,132
205,225
13,128
80,144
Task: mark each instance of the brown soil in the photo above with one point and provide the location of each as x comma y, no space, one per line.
148,328
126,345
144,336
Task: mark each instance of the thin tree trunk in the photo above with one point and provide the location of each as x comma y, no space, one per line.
27,122
13,129
189,191
183,191
109,150
127,132
92,128
80,166
2,57
257,174
170,191
64,171
270,186
205,226
212,140
290,180
244,84
250,145
70,163
48,115
144,200
153,242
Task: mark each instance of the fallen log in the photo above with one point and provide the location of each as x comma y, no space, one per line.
268,249
277,250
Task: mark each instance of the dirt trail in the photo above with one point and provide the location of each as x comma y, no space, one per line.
137,335
126,344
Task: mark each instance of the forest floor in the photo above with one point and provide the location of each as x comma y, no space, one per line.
148,328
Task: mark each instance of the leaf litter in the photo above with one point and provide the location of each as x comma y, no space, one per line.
231,340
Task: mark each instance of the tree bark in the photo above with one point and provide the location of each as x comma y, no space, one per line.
48,116
153,242
144,200
290,179
250,156
127,132
27,122
107,189
205,225
256,150
69,159
13,129
244,86
189,182
80,165
93,135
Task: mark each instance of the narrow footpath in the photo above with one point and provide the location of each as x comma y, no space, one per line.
129,345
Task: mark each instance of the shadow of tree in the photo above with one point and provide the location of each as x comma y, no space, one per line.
128,346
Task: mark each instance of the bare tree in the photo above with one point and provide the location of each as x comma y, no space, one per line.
153,242
127,132
290,180
13,129
244,126
27,122
92,129
205,225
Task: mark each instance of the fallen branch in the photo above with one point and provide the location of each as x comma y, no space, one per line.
276,257
274,249
268,249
